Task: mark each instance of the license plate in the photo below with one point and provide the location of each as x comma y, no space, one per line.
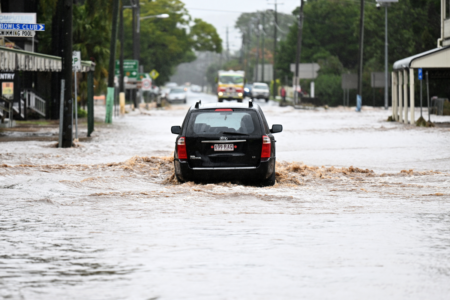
223,147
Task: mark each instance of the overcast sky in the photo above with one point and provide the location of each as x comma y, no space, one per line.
223,13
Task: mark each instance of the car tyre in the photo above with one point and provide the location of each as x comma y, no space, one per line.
220,100
267,99
179,179
184,101
271,180
239,100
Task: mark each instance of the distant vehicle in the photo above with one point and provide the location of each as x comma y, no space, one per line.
248,90
230,85
196,88
223,142
171,85
260,91
177,94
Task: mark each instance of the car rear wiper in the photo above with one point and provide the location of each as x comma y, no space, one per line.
235,133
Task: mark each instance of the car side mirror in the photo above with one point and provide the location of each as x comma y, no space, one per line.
276,128
176,129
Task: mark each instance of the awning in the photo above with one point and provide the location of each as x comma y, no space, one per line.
438,58
19,60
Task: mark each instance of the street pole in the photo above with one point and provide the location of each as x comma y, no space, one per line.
263,40
228,48
257,53
386,86
361,51
249,40
110,96
274,69
299,50
67,74
122,40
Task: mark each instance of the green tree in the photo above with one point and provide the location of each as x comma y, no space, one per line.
165,43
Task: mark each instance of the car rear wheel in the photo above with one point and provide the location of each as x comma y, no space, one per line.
267,99
271,180
220,100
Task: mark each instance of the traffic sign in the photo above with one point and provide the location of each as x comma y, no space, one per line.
18,18
142,76
76,60
420,73
130,68
146,84
30,27
18,33
154,74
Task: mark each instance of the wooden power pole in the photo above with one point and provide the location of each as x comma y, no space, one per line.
67,74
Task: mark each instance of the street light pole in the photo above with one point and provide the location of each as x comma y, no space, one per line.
299,50
386,86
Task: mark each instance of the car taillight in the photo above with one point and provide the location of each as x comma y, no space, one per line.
266,147
181,148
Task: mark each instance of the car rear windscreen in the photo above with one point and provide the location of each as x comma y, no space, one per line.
210,122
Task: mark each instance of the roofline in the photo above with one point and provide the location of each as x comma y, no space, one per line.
405,63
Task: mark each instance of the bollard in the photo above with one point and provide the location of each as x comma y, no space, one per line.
122,103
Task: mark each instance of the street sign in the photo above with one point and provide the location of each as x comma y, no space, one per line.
18,18
377,80
76,61
142,76
306,71
420,74
30,27
154,74
146,84
18,33
349,81
130,68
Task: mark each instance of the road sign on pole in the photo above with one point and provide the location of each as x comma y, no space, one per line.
130,68
76,61
27,27
18,33
146,84
154,74
18,18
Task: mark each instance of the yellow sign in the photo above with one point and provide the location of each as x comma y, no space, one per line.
154,74
8,89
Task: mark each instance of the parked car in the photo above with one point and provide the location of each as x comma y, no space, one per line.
177,94
171,85
260,91
196,88
248,90
225,142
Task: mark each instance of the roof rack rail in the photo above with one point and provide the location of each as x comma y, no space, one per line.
197,105
250,103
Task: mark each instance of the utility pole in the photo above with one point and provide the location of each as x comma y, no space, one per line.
257,51
361,51
122,40
112,63
228,48
67,74
263,40
299,50
249,41
275,31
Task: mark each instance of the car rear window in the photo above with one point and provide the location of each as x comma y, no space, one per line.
210,122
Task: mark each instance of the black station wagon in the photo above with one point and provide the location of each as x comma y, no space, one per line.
225,142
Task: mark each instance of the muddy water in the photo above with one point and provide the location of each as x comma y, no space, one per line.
107,221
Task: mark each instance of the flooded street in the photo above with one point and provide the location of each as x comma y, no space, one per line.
361,210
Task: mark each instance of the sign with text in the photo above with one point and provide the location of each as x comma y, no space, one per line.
18,33
130,68
30,27
349,81
8,90
76,60
307,70
18,18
